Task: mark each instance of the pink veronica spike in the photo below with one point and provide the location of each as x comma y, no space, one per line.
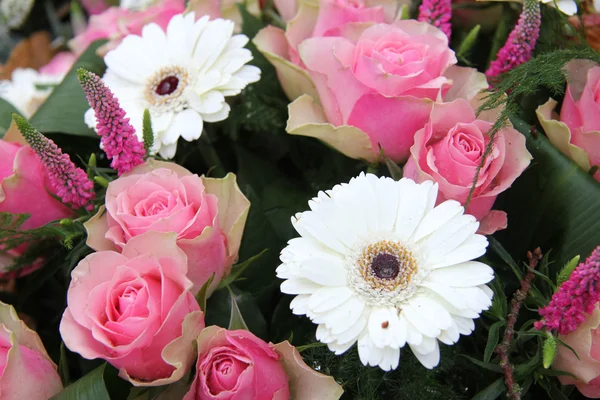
574,299
438,13
70,182
521,41
118,138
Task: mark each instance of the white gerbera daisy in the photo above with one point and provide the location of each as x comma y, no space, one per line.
181,76
378,264
28,89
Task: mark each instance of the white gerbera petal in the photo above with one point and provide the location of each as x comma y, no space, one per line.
181,75
377,264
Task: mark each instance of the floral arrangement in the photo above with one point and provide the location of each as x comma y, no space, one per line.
299,199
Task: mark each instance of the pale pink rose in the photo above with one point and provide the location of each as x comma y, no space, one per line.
315,19
376,87
135,310
227,9
115,23
207,215
25,189
287,9
449,149
577,132
26,370
585,341
235,365
60,64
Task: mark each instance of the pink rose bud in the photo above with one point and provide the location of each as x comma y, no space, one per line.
585,341
449,149
236,364
135,310
206,214
26,370
25,189
577,133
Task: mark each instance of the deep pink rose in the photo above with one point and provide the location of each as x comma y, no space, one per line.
236,365
577,133
115,23
448,151
585,341
207,215
26,370
135,310
25,189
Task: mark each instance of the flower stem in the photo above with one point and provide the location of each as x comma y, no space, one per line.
503,349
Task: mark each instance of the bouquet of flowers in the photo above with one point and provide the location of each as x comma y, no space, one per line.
299,199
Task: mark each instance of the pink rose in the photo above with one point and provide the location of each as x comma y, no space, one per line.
448,151
373,78
135,310
235,365
585,340
227,9
115,23
314,19
26,370
207,214
60,64
25,189
577,133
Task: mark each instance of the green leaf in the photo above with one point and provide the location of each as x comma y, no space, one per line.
468,43
239,269
6,111
89,387
201,296
63,111
493,338
218,310
566,271
395,169
549,351
499,306
493,391
488,366
553,205
236,321
250,24
63,367
310,346
496,247
147,132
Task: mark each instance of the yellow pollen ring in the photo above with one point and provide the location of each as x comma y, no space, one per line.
407,265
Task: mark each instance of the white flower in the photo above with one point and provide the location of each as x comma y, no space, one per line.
181,76
568,7
28,89
378,264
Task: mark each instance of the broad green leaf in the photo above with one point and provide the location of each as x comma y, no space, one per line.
63,111
493,391
493,338
468,43
395,169
63,366
236,321
89,387
553,205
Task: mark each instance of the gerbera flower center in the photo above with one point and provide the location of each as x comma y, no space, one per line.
164,90
383,271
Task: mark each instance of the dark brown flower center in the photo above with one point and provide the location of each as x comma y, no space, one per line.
167,86
385,266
